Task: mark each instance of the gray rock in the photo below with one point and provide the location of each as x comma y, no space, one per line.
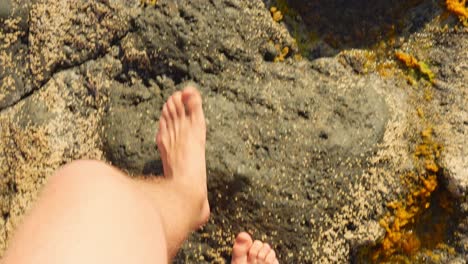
85,33
268,123
302,154
5,8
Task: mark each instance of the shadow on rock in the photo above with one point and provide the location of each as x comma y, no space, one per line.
324,27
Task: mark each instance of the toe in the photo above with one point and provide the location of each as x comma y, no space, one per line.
193,102
179,106
262,254
241,248
169,124
162,132
254,250
162,140
271,257
172,108
166,115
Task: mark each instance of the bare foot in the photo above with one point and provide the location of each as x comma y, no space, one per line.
245,251
181,142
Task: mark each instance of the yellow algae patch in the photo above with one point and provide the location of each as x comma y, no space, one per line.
420,112
413,63
276,14
148,2
298,57
282,53
428,149
385,69
458,7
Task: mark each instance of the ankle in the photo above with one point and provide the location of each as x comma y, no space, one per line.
186,200
194,201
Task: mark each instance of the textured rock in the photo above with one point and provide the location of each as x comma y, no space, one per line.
286,141
5,8
43,37
50,128
302,154
15,81
450,55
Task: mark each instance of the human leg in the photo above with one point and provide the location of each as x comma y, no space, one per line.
92,212
89,213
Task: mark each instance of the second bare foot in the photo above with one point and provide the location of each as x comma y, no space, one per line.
246,251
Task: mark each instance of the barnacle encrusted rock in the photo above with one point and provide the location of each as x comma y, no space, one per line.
302,154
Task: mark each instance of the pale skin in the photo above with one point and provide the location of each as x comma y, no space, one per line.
91,212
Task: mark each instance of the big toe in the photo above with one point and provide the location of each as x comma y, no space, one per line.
241,248
193,102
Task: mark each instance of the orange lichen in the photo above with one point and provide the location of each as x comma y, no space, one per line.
148,2
420,112
458,7
428,95
413,63
385,69
446,247
427,133
283,52
410,243
399,237
431,166
428,149
407,59
276,14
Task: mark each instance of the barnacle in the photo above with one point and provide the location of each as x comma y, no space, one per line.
458,8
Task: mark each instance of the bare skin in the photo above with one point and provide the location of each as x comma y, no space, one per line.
246,251
90,212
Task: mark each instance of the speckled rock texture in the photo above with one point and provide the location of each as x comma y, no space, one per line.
5,8
304,154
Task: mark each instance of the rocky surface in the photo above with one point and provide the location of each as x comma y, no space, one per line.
5,8
303,154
